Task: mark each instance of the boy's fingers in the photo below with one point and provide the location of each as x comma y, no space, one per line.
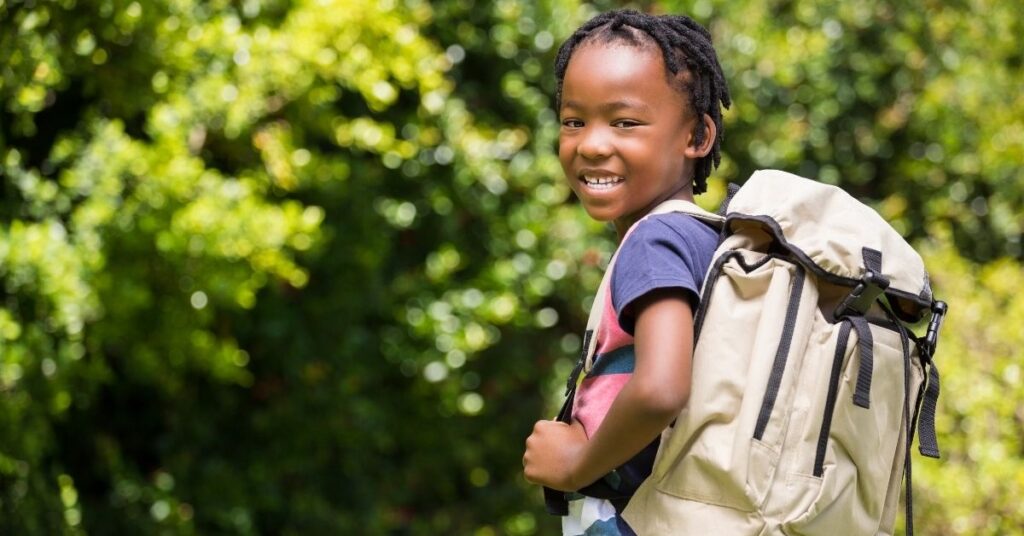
545,425
540,433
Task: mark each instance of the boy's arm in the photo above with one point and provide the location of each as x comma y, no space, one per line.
559,455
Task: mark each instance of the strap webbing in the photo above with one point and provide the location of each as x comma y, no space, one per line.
909,430
730,192
555,502
872,259
832,393
865,345
781,353
928,443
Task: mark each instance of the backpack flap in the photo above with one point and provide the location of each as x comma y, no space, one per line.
837,237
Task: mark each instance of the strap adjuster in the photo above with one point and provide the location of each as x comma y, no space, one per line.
860,299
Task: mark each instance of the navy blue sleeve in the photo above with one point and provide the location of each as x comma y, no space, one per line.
664,251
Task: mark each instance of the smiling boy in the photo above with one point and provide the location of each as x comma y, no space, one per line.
640,100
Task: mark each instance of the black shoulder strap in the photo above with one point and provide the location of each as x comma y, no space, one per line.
731,190
865,346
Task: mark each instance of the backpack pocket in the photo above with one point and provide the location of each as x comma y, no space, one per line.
839,465
752,327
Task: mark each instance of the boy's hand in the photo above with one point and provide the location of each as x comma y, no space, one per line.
553,453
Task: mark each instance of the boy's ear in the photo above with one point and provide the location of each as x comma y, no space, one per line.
695,150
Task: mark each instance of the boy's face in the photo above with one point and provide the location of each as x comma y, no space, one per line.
625,132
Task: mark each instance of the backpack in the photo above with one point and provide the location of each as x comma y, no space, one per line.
807,384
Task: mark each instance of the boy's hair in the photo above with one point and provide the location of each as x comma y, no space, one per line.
685,46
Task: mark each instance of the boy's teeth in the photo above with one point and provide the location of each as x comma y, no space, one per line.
602,182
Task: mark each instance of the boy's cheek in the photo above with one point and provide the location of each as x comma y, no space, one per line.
565,151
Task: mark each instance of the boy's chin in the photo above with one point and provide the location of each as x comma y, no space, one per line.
602,214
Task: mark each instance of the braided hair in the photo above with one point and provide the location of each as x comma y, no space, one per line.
685,46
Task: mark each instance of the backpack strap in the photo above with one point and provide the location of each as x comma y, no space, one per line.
730,192
556,501
923,406
865,345
688,208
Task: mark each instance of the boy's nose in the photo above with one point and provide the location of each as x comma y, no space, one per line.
594,146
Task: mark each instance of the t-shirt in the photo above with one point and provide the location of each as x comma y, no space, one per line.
670,250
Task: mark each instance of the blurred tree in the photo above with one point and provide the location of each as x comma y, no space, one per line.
911,106
974,488
257,257
309,267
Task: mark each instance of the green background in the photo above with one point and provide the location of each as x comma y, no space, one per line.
309,267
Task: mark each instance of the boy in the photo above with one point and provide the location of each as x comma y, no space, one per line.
640,98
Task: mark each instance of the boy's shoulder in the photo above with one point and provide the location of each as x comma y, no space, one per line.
674,227
666,242
671,250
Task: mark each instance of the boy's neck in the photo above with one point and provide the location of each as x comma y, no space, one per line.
622,225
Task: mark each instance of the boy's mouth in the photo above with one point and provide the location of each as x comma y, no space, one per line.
602,182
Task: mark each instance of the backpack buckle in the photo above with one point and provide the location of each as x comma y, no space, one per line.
860,299
570,383
931,339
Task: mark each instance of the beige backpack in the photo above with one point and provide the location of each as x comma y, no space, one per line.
806,385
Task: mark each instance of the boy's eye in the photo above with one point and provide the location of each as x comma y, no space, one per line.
572,123
626,123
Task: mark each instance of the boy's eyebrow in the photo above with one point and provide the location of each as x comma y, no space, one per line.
611,106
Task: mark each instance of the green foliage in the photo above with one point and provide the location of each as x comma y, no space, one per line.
309,267
915,109
973,490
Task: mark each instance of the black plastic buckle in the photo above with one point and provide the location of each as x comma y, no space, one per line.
574,376
931,339
570,383
860,299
